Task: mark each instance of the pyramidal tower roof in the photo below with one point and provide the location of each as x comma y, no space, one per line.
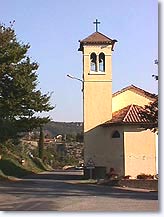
96,38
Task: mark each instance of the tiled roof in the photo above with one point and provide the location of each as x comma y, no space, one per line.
128,115
96,38
137,90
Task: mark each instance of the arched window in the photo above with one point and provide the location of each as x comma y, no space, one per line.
102,62
116,134
93,62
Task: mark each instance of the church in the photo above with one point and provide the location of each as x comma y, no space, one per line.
114,132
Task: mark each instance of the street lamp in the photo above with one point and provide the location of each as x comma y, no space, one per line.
72,77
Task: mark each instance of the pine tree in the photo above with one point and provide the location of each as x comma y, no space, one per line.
20,99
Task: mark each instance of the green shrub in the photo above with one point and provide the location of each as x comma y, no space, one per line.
2,175
39,163
10,167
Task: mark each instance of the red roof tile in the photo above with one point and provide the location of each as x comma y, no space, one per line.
96,38
128,115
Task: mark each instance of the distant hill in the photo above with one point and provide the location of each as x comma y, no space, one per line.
56,128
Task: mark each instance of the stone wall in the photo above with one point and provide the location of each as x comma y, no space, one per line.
142,184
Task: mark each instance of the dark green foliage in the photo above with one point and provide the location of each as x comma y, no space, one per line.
70,137
3,176
39,163
80,137
10,168
63,128
41,143
150,113
19,97
10,163
69,160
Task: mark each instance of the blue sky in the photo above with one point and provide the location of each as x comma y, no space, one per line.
53,29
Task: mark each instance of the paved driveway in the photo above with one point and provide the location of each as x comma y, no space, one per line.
65,191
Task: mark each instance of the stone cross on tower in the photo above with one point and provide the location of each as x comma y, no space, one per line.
96,23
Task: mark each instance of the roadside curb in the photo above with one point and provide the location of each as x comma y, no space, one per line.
134,189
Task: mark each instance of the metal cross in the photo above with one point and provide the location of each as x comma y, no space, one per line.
96,22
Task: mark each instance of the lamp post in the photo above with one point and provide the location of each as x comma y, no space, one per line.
72,77
82,81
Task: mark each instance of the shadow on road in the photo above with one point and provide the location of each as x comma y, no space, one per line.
53,185
58,175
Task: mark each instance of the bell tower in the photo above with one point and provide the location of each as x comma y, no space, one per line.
97,89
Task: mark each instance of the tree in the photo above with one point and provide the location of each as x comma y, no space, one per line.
80,137
41,143
20,99
150,111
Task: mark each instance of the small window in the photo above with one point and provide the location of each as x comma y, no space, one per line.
102,62
93,62
116,134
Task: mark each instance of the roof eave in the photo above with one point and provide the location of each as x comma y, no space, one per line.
138,90
112,42
125,123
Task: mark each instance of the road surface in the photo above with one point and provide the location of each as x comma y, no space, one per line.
65,191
